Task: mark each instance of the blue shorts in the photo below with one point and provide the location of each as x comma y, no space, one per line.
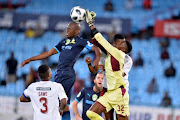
67,81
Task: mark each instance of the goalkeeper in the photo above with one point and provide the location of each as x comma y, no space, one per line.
116,97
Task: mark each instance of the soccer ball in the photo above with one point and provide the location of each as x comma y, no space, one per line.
78,14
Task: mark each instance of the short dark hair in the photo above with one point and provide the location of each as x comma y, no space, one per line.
99,72
118,36
43,71
129,46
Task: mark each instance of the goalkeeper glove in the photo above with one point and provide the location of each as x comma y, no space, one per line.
90,17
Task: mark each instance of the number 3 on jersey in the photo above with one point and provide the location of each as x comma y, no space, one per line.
44,101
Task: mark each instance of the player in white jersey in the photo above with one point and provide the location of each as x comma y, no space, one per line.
127,67
45,96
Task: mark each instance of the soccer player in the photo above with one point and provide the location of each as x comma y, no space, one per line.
89,96
70,49
127,67
45,96
116,97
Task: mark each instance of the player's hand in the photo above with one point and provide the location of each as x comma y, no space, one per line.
88,60
25,62
61,112
90,17
78,118
93,14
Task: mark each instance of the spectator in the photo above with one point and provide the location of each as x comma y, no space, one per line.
147,4
46,60
29,32
153,86
164,43
139,61
22,27
31,77
170,71
109,6
129,4
78,85
166,101
3,83
164,54
38,31
11,64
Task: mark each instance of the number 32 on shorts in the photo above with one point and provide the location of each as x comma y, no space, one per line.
120,108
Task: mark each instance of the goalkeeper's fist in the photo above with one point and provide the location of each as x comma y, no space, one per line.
90,17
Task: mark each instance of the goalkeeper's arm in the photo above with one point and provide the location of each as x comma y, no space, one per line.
106,45
90,17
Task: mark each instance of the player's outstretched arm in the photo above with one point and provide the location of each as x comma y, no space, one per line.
39,57
75,109
98,55
94,41
90,18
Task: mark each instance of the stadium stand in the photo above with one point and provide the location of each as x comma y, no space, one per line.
139,77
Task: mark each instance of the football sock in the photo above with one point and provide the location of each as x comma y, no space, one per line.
66,116
93,116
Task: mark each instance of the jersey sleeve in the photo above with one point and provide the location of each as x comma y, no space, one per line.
59,46
61,92
89,45
27,92
117,54
93,41
127,64
80,95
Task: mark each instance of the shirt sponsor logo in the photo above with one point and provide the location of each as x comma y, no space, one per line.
66,47
43,88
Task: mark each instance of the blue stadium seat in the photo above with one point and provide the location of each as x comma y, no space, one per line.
20,86
11,89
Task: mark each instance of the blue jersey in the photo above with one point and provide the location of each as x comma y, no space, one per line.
89,97
70,50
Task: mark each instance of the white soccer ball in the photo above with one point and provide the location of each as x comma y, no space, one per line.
78,14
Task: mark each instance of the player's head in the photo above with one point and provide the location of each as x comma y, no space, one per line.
44,72
73,29
99,80
122,44
119,37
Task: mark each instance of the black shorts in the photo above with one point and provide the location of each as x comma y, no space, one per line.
67,81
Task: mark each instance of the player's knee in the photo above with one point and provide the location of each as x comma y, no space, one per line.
90,114
93,116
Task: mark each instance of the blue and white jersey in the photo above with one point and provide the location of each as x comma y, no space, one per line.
70,49
89,97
